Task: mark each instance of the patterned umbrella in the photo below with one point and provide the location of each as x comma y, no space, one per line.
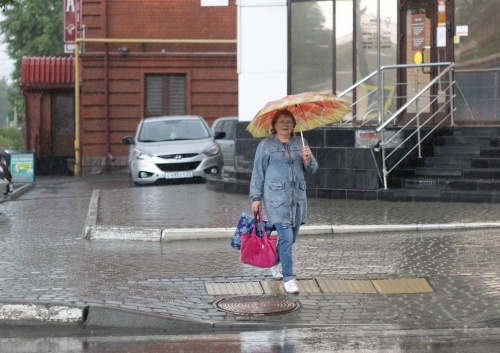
311,110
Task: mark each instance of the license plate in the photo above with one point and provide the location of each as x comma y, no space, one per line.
178,175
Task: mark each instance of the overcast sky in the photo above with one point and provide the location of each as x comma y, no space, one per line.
6,64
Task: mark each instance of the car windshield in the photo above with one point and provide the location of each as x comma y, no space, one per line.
171,130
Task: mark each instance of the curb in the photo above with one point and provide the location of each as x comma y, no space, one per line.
18,192
45,313
94,232
101,317
174,234
106,317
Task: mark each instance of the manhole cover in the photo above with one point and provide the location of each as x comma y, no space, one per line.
256,305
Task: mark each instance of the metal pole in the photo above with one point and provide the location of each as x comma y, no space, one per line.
379,88
417,112
495,97
452,98
384,166
78,154
382,95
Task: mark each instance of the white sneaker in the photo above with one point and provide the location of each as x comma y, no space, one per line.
291,286
276,273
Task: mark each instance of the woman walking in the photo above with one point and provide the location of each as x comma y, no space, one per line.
278,182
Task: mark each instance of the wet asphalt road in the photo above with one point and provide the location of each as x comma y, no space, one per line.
342,339
45,260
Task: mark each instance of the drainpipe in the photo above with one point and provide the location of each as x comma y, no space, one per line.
109,156
78,154
27,126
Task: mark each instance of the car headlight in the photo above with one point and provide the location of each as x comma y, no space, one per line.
212,151
141,154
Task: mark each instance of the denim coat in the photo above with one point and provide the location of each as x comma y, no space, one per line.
278,180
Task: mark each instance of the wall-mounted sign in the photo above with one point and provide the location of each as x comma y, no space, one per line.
441,37
418,58
369,33
417,32
72,22
22,168
462,31
214,2
441,15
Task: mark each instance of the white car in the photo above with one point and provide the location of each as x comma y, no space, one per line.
227,125
173,147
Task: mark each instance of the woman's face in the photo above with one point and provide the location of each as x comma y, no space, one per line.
284,125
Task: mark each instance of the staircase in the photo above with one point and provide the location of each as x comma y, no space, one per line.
463,167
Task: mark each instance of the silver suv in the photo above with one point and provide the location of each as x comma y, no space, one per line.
227,125
173,147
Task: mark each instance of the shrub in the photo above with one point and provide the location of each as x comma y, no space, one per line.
11,138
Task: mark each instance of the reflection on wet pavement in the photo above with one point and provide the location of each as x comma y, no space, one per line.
45,260
364,339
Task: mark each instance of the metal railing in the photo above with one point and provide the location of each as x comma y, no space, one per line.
425,105
477,94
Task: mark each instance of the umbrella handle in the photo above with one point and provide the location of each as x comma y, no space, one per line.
302,136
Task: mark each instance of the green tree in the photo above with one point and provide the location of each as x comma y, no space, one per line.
483,39
311,47
4,102
4,3
30,28
11,138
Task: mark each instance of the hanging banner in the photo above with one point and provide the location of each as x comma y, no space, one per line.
72,22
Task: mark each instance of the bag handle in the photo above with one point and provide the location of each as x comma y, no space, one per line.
258,215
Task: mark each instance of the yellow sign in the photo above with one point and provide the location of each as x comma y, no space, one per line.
417,58
370,94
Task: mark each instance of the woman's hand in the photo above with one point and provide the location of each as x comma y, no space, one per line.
256,205
306,154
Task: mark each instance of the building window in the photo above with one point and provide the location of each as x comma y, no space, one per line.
165,95
477,60
311,47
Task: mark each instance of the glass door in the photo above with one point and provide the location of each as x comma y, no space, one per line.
426,37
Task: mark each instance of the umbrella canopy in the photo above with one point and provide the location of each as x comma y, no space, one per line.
311,110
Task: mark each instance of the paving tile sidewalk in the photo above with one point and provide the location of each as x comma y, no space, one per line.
167,280
192,205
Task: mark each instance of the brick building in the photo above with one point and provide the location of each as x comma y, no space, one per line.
140,58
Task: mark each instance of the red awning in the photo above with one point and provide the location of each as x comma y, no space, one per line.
47,72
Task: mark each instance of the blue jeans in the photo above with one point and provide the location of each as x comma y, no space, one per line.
287,237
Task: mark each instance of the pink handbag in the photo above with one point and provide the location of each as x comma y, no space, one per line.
256,251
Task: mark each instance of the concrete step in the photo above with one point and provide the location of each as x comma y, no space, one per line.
231,186
478,130
430,195
454,151
485,162
465,167
470,196
490,152
481,173
464,140
437,172
416,195
447,162
474,185
424,183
